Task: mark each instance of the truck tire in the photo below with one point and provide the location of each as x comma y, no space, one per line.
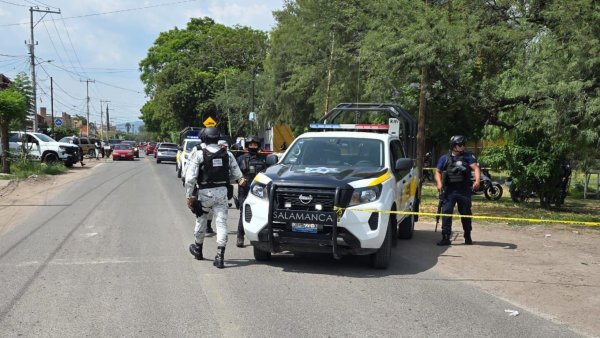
381,259
51,158
393,223
406,227
92,153
260,255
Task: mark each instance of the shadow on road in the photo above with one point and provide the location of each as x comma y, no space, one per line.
410,257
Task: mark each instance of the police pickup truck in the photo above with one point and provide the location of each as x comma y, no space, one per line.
333,189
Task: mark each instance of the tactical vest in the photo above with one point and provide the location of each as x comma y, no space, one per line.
457,170
252,165
215,169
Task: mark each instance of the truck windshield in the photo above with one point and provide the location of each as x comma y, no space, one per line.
44,137
337,152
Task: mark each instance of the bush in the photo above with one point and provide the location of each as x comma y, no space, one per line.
23,168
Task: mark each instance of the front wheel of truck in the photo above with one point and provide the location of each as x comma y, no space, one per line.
381,259
260,255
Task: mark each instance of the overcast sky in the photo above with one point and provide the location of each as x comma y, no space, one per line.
104,40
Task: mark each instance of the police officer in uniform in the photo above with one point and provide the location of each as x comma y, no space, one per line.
212,168
250,163
453,180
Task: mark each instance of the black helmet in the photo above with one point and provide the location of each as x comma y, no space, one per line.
211,135
253,139
457,139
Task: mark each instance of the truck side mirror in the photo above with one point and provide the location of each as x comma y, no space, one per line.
272,159
403,164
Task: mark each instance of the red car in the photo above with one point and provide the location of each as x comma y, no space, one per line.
122,151
150,148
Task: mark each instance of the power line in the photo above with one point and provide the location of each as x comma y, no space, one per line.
10,3
105,13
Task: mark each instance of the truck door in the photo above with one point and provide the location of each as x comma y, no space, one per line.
403,178
33,147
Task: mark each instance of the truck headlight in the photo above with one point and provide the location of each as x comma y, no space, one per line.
258,189
365,195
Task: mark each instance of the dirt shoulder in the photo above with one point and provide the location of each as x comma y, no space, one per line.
553,271
19,197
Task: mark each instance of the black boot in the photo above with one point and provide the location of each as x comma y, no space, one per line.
209,229
196,251
468,240
445,240
220,257
240,241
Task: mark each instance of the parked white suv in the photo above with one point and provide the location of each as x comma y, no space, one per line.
42,147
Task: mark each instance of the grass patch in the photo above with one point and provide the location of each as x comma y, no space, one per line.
573,210
23,168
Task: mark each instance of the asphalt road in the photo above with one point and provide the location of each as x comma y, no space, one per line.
109,257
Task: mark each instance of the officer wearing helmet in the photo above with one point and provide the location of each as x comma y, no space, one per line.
250,163
211,168
453,180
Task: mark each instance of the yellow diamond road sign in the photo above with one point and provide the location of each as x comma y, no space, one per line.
209,122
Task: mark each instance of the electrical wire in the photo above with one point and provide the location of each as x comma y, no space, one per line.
103,13
10,3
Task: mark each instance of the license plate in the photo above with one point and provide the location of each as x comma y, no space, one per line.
308,228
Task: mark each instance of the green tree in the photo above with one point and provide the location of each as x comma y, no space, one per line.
13,107
22,83
181,69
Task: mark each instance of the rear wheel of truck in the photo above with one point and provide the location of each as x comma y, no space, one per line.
260,255
381,259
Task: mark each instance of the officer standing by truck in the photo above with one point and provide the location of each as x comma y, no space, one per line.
250,163
453,180
212,168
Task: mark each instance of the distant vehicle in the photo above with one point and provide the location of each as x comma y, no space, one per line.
166,152
122,151
87,146
150,148
134,146
184,153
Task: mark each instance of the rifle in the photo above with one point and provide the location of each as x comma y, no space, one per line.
441,197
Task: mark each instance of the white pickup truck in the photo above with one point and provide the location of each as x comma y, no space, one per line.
333,190
42,147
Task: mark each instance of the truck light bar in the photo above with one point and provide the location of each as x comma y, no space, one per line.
350,126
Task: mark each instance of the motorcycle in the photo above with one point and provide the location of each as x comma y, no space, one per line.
491,189
557,197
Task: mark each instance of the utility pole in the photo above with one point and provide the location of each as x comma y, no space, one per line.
87,90
102,121
107,123
32,55
52,104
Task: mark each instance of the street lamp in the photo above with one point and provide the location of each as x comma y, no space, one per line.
226,99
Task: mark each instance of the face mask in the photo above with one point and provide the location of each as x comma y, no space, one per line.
253,150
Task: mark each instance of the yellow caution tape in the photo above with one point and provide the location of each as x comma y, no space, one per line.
531,220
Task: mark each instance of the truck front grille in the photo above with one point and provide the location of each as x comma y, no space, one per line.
304,198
